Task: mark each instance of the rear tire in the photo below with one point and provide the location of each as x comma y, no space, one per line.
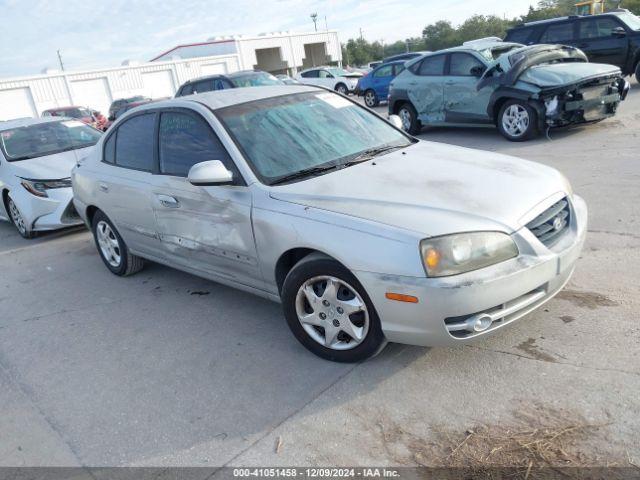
517,121
371,100
337,323
409,117
638,72
342,89
112,249
18,220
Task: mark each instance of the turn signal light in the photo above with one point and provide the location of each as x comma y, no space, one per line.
399,297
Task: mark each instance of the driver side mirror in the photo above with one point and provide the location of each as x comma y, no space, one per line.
477,71
210,173
619,32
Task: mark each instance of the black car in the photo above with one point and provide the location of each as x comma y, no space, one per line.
245,78
612,37
404,56
117,105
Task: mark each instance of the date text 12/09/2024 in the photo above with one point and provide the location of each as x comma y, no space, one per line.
316,472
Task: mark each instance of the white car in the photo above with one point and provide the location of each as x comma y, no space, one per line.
334,78
36,158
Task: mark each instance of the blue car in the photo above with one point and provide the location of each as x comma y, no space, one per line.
374,86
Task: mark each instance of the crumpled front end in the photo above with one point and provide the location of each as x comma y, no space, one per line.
588,101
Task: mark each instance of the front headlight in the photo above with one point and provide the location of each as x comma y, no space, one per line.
464,252
39,187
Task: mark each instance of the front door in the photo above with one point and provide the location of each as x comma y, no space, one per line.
203,228
463,103
597,39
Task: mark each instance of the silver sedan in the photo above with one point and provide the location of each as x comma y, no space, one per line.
363,233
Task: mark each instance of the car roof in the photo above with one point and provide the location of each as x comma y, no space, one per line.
26,122
570,17
206,77
245,72
57,109
478,45
235,96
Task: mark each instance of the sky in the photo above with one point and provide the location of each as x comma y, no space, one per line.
95,34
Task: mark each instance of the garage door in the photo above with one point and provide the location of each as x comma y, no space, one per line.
158,84
92,93
213,69
16,103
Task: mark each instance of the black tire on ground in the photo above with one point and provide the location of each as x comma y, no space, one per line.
342,88
129,263
516,134
409,117
18,220
638,72
371,100
318,265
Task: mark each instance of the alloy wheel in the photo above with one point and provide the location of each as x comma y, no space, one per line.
332,313
515,120
16,217
370,99
342,89
109,245
405,116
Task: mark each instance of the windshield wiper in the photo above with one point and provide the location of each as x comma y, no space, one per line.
305,173
371,153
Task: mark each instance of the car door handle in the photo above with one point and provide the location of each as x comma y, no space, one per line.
103,187
449,83
168,201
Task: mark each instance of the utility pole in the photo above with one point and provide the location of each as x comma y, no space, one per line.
361,37
60,60
314,17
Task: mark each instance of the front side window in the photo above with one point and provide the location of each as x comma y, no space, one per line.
597,28
520,35
324,74
432,66
44,139
186,140
110,150
562,32
283,135
203,86
385,71
462,64
134,142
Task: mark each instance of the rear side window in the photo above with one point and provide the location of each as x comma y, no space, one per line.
558,33
398,69
310,74
134,144
186,90
519,35
203,86
220,84
432,66
462,63
110,149
186,140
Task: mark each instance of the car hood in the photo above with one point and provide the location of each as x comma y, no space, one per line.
559,74
433,189
50,167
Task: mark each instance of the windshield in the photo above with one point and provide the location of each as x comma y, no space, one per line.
284,135
632,21
46,139
255,80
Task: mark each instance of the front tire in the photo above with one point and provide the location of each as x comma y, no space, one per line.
18,220
517,121
329,311
342,89
112,249
638,72
409,117
371,99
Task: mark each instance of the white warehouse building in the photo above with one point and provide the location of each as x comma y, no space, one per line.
280,52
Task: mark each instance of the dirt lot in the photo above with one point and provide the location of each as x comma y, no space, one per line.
168,369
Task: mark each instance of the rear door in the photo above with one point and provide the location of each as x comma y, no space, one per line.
426,88
597,40
463,103
561,33
124,188
203,228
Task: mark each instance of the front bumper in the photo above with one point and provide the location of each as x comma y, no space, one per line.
51,213
506,291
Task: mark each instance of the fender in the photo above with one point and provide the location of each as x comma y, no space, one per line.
504,93
398,95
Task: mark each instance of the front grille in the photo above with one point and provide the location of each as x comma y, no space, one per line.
549,226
